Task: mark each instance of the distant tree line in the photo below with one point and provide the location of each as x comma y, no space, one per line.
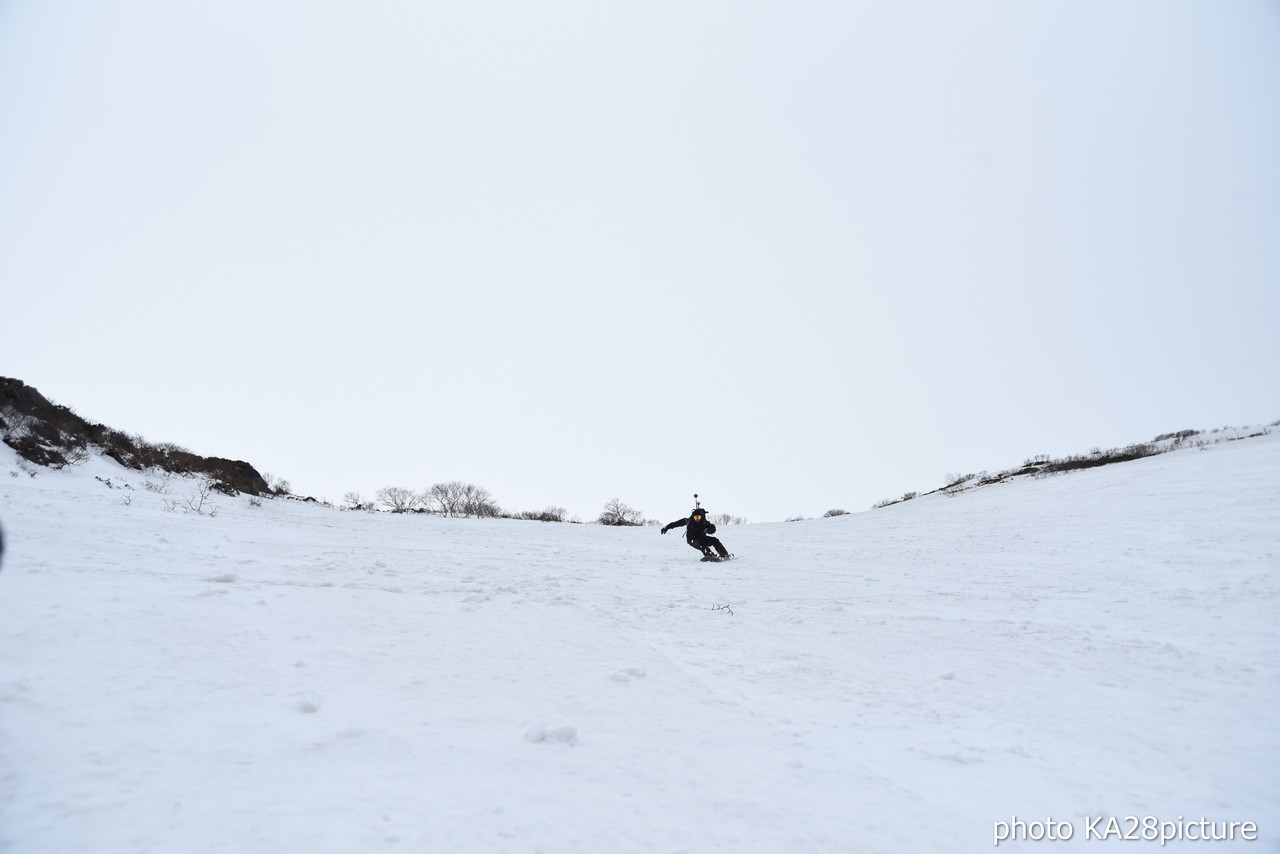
455,499
461,500
618,513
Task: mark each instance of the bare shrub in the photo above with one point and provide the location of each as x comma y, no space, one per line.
398,499
199,502
477,501
550,514
255,501
1177,435
726,519
1098,457
445,498
356,501
17,425
835,512
459,499
618,513
277,485
955,482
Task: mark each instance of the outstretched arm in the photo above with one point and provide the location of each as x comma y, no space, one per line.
676,524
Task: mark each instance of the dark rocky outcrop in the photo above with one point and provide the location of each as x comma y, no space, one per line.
47,434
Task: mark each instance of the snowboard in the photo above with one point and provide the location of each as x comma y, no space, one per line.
715,558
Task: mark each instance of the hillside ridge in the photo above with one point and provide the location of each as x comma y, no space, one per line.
55,436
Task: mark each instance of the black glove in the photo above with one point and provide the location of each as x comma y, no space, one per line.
711,529
665,529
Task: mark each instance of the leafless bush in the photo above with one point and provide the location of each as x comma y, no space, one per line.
725,608
399,499
162,488
1098,457
126,500
445,498
797,519
478,502
199,502
1177,435
277,485
18,425
255,501
356,501
551,514
618,513
835,512
456,498
726,519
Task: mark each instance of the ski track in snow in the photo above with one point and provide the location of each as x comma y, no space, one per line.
294,678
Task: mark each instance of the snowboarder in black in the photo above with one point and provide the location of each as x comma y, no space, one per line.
698,531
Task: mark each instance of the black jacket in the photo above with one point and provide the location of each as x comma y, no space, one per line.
695,528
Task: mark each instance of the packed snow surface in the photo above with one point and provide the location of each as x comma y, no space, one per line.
292,678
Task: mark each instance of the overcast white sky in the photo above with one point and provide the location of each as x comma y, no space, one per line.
792,256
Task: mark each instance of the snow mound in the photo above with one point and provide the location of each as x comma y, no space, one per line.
1101,644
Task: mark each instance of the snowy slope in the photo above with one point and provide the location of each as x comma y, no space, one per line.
290,678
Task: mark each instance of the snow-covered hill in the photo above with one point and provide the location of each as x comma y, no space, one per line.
290,678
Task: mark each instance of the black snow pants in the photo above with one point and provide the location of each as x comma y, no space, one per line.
705,544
